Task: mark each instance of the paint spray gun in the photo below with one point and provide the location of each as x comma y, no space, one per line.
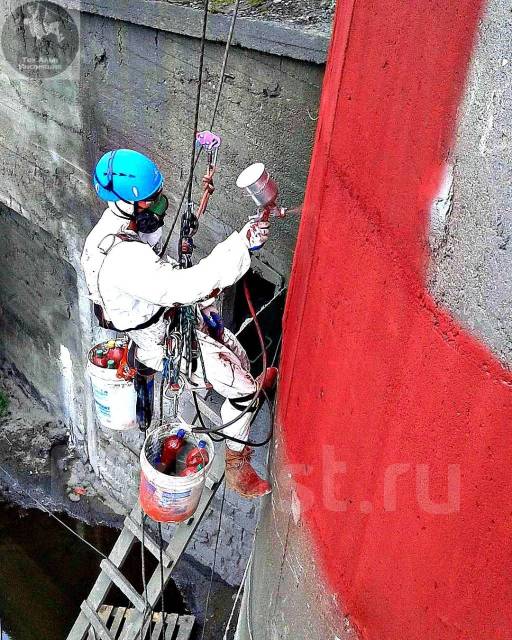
263,189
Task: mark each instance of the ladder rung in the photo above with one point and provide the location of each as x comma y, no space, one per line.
186,623
171,620
122,583
105,612
149,542
96,623
157,630
118,621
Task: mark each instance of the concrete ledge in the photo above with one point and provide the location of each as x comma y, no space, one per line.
260,35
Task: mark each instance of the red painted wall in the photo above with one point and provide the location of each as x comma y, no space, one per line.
374,374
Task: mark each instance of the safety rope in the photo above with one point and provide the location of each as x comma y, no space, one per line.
198,97
162,582
229,40
178,210
188,184
143,572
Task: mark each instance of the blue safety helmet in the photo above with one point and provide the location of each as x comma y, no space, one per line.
126,175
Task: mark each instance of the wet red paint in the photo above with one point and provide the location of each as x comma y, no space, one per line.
391,384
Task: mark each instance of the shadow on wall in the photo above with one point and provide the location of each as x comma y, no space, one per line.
38,305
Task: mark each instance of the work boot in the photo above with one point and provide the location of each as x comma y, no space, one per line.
269,378
241,476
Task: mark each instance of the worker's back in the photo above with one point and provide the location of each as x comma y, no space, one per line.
92,257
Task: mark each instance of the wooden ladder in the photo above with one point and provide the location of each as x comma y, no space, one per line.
90,617
170,627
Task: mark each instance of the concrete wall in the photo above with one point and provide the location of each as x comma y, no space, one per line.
472,260
134,86
391,502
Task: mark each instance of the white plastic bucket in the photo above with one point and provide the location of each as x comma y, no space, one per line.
167,498
115,399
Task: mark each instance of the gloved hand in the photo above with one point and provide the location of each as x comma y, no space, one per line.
255,234
214,322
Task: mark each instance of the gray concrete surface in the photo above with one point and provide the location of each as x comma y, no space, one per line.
134,86
306,13
283,594
471,267
278,32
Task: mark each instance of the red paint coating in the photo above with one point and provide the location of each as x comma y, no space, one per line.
374,366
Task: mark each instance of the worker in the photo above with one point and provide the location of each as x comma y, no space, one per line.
134,291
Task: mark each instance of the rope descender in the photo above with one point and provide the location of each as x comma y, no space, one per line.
210,143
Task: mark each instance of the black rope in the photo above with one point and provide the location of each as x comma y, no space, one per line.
198,98
225,62
178,211
188,185
222,436
162,582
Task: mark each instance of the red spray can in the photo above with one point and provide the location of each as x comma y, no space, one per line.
170,450
115,351
189,471
100,359
198,455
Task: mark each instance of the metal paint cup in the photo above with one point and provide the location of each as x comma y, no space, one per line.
258,183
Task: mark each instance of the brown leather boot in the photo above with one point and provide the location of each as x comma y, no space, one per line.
241,477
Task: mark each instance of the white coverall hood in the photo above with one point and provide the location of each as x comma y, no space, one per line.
120,208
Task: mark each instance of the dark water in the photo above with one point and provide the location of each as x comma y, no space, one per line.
45,573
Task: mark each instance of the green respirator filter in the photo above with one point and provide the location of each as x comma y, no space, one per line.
160,205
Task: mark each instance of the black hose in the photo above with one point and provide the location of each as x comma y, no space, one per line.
257,395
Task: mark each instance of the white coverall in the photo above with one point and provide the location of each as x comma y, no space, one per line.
131,283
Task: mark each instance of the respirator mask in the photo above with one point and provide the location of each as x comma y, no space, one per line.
151,220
